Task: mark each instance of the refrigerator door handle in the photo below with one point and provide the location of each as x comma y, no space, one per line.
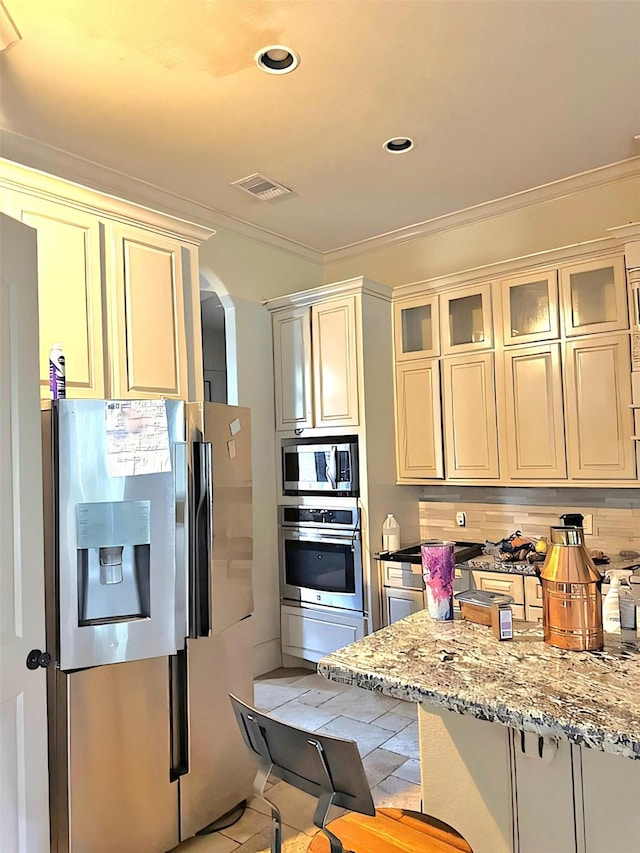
181,476
202,514
179,714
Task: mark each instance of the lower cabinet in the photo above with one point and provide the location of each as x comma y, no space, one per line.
310,633
399,603
505,584
511,792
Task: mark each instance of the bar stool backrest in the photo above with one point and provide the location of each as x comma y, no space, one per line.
319,764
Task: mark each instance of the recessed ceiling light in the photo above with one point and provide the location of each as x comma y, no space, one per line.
277,59
398,145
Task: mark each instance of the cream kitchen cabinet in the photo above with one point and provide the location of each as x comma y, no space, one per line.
419,420
466,323
146,314
594,297
316,365
69,292
531,413
118,289
598,408
416,328
529,308
469,422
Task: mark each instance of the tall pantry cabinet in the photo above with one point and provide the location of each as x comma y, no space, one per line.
117,288
333,376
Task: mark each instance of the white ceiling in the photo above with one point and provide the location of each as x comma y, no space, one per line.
498,96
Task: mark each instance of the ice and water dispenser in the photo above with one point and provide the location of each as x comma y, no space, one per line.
113,545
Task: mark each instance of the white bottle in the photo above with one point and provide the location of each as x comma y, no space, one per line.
390,534
611,606
57,383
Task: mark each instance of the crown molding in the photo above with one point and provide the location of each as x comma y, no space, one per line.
546,192
49,160
330,291
535,263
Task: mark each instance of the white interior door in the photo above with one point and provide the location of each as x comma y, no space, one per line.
24,815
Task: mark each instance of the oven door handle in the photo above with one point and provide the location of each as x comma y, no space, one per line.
330,540
332,466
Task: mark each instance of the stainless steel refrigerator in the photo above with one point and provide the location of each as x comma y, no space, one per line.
148,592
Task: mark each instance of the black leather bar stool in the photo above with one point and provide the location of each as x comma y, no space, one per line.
330,769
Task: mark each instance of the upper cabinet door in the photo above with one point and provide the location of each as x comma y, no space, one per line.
529,308
598,408
292,368
419,421
335,366
470,431
532,415
465,320
594,297
148,347
416,328
69,293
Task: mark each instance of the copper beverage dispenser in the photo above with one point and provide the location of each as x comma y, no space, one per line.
571,597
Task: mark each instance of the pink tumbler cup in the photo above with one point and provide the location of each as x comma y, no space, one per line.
438,569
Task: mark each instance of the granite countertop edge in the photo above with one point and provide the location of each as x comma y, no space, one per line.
347,667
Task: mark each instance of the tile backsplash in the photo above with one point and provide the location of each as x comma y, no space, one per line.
496,513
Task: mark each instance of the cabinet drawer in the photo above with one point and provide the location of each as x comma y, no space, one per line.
503,583
310,634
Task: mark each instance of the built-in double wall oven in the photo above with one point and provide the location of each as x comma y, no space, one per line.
321,556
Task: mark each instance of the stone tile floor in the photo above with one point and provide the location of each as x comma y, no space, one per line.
385,730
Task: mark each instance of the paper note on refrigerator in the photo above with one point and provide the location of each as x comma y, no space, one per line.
234,426
137,437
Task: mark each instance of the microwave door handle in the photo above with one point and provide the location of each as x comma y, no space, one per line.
202,540
332,466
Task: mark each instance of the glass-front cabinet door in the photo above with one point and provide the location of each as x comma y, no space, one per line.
529,308
416,330
594,297
466,319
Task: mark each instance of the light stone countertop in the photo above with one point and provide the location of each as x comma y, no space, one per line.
589,698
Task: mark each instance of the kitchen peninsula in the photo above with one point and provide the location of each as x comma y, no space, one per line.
523,747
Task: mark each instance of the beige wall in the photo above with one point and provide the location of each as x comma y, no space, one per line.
564,221
243,273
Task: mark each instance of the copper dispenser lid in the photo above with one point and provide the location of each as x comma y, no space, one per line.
567,559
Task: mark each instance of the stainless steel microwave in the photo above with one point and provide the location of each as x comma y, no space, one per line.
321,467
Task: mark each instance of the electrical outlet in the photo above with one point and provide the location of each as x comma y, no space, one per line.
461,519
587,524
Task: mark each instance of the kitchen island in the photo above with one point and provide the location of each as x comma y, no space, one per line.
523,747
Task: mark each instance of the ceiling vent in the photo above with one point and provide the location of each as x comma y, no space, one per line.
261,187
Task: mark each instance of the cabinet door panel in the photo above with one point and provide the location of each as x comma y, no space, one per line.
594,297
416,328
530,308
533,414
465,318
419,420
150,339
598,408
292,368
471,438
335,368
69,294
